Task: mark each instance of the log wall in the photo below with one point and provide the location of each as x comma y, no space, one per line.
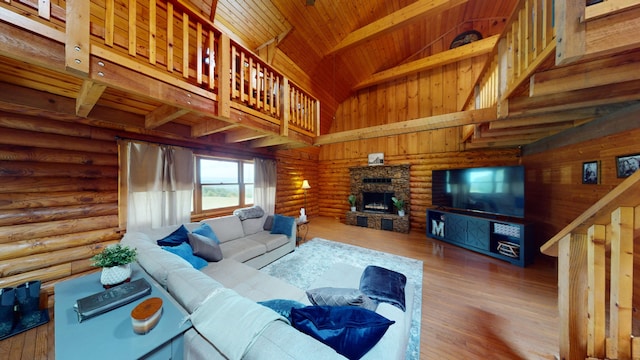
59,196
294,166
555,192
58,199
335,161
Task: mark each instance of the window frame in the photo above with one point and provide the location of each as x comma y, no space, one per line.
197,193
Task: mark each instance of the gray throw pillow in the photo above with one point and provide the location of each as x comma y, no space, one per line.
205,247
329,296
268,223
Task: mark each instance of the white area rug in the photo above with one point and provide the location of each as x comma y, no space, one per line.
313,258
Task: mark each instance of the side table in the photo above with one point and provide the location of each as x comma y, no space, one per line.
301,226
110,335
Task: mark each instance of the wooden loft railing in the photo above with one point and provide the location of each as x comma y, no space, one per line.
170,41
527,40
592,324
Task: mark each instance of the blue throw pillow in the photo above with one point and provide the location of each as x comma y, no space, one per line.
176,238
384,285
184,251
282,306
206,230
282,225
349,330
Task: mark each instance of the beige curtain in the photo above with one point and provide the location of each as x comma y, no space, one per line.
160,185
264,187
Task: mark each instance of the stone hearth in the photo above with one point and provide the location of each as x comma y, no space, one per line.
381,179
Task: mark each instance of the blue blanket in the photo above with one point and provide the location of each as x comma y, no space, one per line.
384,285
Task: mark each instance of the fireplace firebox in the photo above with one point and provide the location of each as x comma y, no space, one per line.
377,202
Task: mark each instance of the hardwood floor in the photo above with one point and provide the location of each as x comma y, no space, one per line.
473,306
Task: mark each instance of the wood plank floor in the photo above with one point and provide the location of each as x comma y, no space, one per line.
473,306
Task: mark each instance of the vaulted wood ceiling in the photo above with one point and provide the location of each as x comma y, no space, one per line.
330,48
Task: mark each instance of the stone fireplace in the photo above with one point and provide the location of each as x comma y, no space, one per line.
374,186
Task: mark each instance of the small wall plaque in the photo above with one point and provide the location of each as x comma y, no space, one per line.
376,159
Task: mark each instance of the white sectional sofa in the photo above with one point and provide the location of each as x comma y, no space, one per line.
246,247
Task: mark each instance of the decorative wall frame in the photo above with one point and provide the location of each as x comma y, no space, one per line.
591,172
376,159
627,165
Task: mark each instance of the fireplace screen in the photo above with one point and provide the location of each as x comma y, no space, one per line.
379,202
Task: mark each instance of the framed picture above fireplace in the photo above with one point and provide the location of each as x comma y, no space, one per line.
376,159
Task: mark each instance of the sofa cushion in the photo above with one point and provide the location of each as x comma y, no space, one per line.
159,263
252,226
185,251
351,331
270,241
205,230
190,287
175,238
205,247
282,306
282,224
332,296
242,249
251,283
226,227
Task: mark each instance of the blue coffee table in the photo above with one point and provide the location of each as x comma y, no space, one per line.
110,335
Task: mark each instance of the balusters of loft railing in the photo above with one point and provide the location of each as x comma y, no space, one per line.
303,110
190,39
254,83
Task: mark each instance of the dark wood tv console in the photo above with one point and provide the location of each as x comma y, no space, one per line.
510,240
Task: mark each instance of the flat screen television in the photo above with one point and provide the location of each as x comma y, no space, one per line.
495,190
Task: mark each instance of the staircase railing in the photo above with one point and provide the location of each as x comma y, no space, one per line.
592,324
526,41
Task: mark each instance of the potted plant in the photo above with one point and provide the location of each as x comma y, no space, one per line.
352,202
115,261
399,204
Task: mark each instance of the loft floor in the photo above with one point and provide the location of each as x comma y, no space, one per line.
473,306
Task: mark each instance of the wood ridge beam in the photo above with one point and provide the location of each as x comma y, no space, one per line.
410,126
401,18
476,48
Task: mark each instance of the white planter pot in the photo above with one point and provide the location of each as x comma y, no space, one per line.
353,208
400,212
115,275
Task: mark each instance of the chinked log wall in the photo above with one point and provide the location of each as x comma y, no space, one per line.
59,196
58,199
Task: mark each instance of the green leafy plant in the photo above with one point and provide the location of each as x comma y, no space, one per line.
114,255
352,200
399,204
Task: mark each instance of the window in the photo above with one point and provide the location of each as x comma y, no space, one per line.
222,183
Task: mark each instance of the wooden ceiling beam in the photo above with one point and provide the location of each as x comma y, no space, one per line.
28,47
577,99
476,48
162,115
404,127
242,135
600,72
89,95
547,118
403,17
210,126
267,141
